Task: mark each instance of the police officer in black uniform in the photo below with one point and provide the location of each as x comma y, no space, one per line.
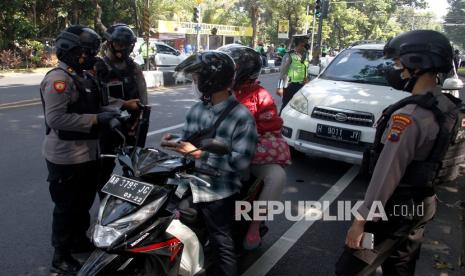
413,137
73,116
122,78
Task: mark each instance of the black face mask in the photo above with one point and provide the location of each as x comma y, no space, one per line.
88,63
120,55
394,79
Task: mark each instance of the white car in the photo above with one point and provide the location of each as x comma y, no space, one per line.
334,115
166,57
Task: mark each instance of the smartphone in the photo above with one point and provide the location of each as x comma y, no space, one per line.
115,89
368,240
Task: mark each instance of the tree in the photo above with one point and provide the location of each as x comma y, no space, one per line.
456,17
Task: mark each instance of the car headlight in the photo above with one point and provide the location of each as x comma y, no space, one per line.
104,236
300,103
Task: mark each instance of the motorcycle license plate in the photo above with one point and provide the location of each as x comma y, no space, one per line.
128,189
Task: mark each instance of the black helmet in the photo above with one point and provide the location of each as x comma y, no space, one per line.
124,37
427,50
248,62
77,37
75,40
214,71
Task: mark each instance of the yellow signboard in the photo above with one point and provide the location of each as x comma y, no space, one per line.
189,28
283,29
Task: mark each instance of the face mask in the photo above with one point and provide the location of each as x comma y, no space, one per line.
394,78
87,63
120,54
196,90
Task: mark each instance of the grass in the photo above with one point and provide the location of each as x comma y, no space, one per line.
461,71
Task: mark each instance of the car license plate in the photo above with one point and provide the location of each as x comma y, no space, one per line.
338,133
128,189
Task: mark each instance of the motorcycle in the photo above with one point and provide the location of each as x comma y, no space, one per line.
144,227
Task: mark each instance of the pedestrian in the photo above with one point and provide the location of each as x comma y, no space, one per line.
123,79
261,50
294,70
73,115
213,76
281,50
411,141
148,53
272,152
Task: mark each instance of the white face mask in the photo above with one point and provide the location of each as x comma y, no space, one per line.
196,90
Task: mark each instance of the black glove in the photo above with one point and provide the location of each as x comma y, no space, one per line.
104,118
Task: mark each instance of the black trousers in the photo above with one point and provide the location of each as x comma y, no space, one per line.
397,246
72,188
219,218
289,92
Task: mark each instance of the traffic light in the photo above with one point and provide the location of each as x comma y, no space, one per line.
196,15
318,8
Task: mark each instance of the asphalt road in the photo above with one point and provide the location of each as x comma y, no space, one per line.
290,248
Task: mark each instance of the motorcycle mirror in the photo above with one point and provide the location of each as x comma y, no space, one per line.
215,146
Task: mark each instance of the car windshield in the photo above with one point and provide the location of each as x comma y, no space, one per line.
358,65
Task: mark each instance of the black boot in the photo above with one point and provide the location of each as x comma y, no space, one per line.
64,264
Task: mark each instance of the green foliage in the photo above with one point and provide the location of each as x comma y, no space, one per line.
456,15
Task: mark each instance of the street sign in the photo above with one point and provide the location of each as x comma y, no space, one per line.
283,29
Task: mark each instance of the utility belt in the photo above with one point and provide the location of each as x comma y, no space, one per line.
75,135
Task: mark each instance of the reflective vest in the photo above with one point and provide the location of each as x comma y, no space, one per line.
448,150
298,69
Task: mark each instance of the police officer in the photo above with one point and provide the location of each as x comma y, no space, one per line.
294,70
122,78
73,116
412,138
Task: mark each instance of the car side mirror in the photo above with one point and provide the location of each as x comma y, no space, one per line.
452,84
177,53
215,146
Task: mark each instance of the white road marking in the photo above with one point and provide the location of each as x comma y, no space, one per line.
164,130
267,261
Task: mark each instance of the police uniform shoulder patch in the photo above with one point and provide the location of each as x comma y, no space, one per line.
398,124
60,86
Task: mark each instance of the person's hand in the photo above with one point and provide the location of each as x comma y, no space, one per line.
280,92
105,117
186,147
131,105
169,141
355,234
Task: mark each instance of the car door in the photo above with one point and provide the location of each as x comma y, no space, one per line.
167,57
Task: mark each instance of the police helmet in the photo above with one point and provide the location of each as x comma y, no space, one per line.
214,71
248,62
427,50
122,34
300,38
77,37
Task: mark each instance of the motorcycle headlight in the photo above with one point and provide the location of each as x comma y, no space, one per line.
300,103
105,236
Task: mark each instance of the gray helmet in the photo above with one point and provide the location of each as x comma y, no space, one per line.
427,50
248,62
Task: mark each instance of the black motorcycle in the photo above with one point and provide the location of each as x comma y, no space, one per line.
144,227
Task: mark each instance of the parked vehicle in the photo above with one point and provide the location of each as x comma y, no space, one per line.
166,58
334,115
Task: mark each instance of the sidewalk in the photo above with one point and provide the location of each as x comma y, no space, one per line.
442,252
